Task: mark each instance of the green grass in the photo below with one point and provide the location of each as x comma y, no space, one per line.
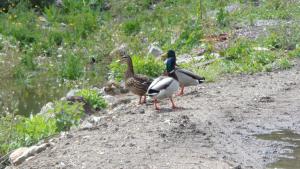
18,131
59,42
71,67
93,98
148,66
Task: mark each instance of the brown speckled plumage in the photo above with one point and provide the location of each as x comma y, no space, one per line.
137,84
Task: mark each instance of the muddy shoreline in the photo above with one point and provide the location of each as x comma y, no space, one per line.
216,127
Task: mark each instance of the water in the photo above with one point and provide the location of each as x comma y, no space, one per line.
27,96
28,99
290,137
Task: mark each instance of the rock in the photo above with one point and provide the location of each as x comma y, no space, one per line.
21,154
260,49
238,167
141,111
199,51
45,109
88,109
155,51
17,156
95,120
98,90
111,100
59,3
119,51
266,99
37,149
42,19
232,8
72,93
85,125
186,58
65,135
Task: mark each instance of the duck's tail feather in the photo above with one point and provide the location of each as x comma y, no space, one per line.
201,80
152,92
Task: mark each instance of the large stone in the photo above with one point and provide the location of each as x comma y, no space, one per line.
21,154
119,51
111,100
232,8
95,119
155,51
72,93
46,108
18,156
185,58
85,125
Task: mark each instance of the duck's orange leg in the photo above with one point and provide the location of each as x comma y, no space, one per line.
173,104
156,104
181,91
140,102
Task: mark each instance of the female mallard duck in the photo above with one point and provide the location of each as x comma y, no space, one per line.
164,87
185,77
137,84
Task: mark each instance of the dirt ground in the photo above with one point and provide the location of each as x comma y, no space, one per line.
214,129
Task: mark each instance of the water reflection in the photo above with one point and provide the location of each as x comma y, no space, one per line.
27,99
285,136
27,96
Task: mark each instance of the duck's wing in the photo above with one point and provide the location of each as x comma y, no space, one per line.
143,79
189,73
137,84
159,84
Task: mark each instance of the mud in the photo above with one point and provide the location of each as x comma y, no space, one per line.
215,127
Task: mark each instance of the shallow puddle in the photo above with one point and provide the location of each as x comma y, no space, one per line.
292,161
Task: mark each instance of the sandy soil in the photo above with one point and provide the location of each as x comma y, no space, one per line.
214,129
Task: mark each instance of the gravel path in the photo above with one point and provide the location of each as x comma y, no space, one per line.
214,129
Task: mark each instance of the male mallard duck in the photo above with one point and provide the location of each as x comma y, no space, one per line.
164,87
136,83
185,77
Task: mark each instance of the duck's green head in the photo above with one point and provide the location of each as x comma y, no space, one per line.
171,53
170,64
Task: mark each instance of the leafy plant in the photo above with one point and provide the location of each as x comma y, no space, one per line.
222,17
71,68
35,128
190,37
28,61
93,98
284,63
147,66
17,131
67,114
117,70
295,53
238,50
131,27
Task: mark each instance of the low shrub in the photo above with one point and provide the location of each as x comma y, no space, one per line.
148,66
71,67
67,114
222,17
284,63
17,131
28,61
93,98
131,27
